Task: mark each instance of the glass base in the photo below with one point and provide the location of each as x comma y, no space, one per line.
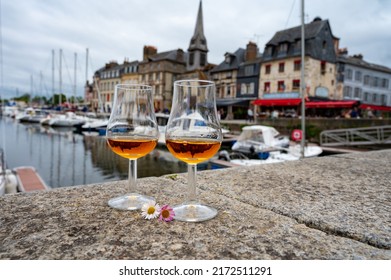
194,212
131,201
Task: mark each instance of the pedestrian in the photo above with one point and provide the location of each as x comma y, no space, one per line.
250,115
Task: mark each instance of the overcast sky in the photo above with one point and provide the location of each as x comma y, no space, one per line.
118,29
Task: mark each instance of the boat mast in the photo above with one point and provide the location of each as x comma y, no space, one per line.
302,82
31,89
60,77
53,77
74,80
86,65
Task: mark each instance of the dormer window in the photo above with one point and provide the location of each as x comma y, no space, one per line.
297,46
228,58
269,51
283,48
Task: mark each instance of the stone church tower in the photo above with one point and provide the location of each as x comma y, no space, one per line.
197,52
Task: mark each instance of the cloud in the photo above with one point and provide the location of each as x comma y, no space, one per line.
113,30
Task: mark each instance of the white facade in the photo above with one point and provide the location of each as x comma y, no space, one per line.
370,86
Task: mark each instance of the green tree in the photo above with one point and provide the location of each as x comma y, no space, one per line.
25,97
58,99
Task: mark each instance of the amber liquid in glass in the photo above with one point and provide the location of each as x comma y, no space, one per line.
193,151
131,148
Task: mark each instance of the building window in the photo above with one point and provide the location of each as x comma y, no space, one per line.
384,83
323,67
295,85
281,67
297,65
227,58
347,91
191,59
366,96
374,98
358,76
367,80
283,48
203,59
268,69
243,88
281,86
269,51
266,87
357,93
324,44
375,81
249,70
298,46
251,88
383,100
349,74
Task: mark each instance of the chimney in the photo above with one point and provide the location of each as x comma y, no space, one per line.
343,52
179,55
111,64
251,51
149,51
358,56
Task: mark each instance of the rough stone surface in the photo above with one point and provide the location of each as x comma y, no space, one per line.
334,207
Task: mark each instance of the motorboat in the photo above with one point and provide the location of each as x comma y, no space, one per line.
95,125
31,115
191,122
8,181
238,158
69,119
258,141
10,111
310,150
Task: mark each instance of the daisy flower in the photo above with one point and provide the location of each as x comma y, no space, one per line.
150,210
166,213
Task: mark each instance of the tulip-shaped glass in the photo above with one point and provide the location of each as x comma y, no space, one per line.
193,135
132,132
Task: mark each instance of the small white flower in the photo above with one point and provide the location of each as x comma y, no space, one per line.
150,210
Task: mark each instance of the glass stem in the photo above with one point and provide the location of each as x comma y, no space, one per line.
192,193
132,175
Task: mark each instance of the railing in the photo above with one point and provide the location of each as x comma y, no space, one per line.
356,136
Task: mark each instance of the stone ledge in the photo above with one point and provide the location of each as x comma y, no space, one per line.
321,208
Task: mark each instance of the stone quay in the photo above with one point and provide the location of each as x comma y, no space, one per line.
334,207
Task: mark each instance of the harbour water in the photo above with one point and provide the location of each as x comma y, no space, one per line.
64,158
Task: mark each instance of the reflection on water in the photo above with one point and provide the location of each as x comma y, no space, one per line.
64,158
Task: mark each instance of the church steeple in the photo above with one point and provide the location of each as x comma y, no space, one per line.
198,49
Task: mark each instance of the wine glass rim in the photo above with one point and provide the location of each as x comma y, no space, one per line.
200,83
133,86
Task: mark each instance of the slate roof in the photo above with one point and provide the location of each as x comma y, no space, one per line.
237,58
293,34
315,34
168,55
362,63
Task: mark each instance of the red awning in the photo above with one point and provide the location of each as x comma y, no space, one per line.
330,104
277,102
375,107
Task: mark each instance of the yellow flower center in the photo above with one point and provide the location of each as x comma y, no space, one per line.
165,214
151,210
